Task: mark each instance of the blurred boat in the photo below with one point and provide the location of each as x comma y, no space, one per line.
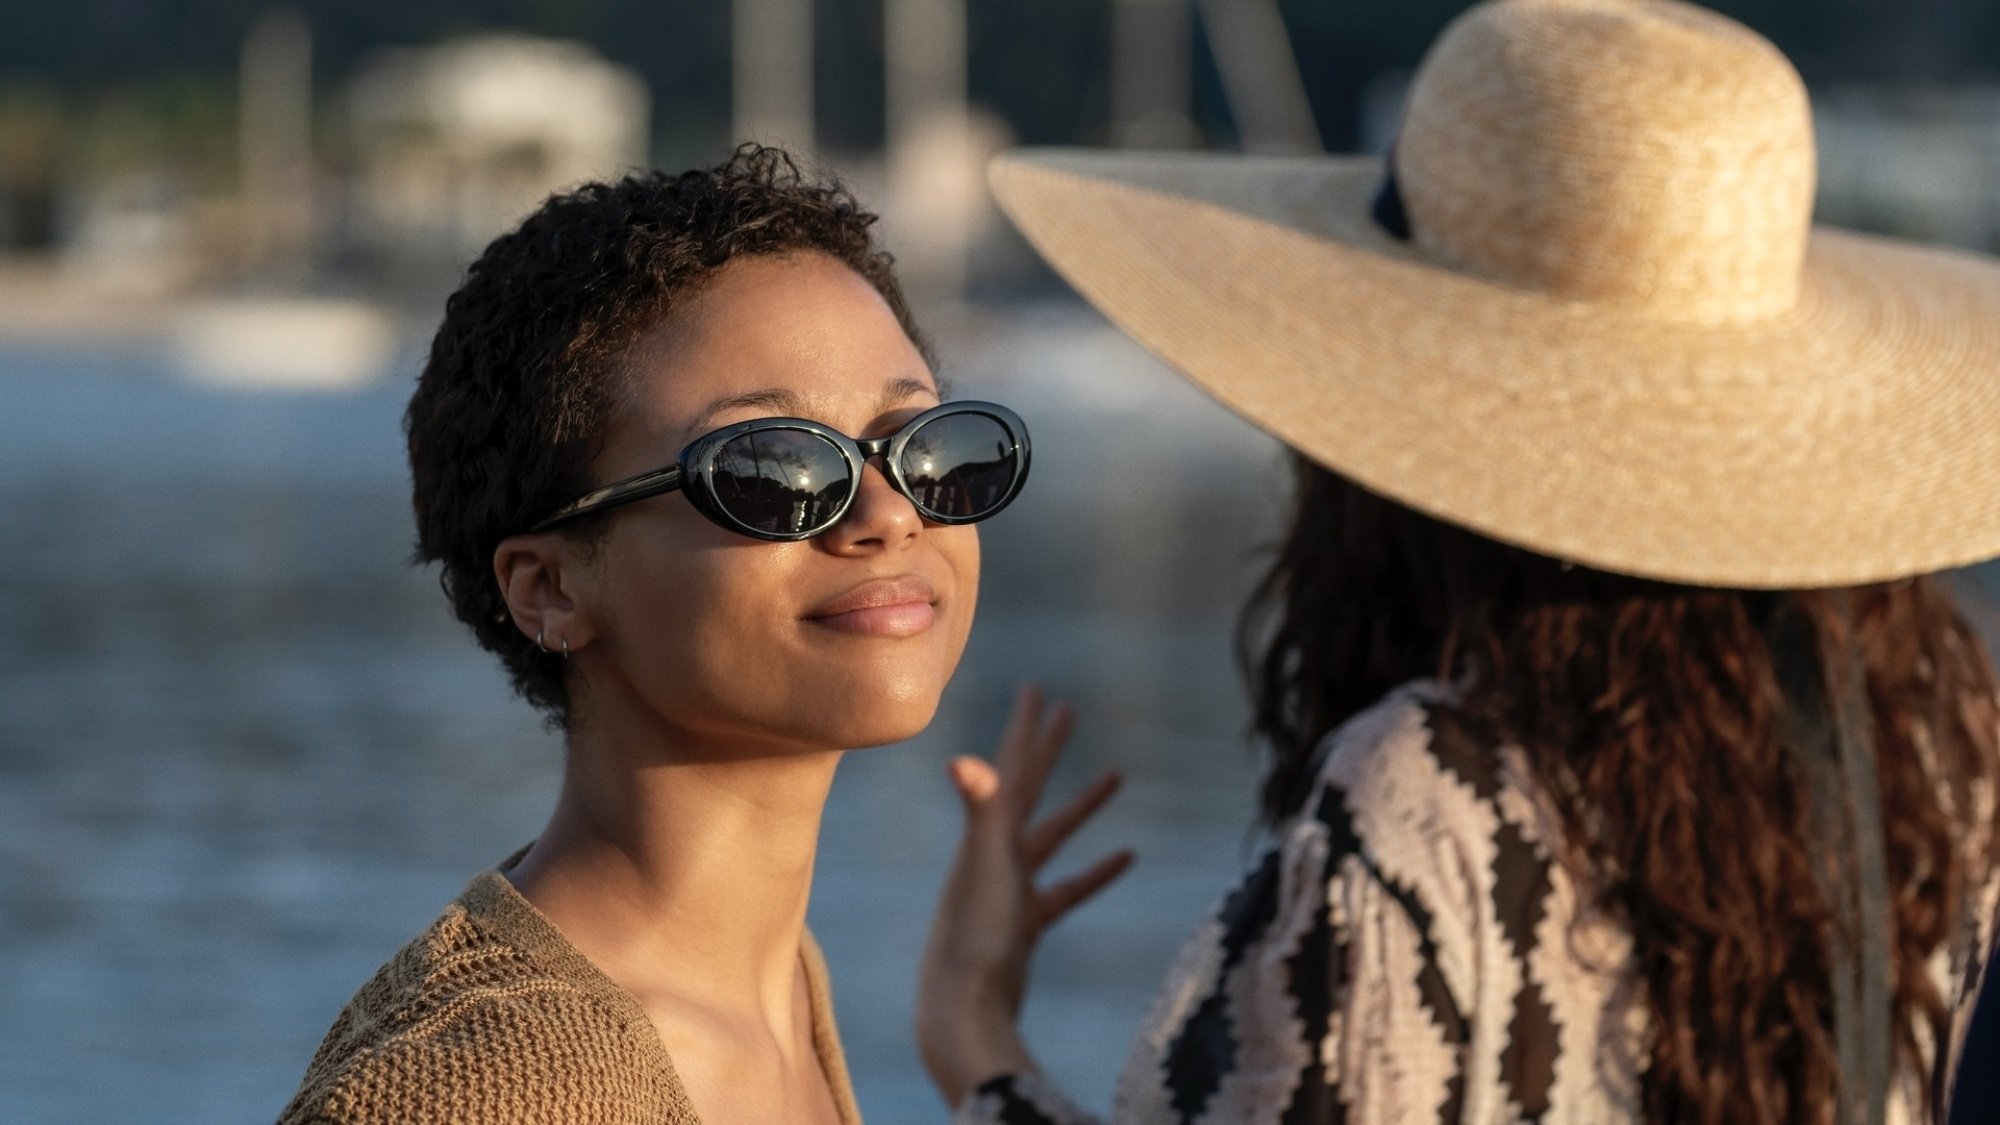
284,343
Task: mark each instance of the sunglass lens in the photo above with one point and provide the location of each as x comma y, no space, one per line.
781,482
960,466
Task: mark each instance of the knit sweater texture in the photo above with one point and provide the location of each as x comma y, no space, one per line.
492,1016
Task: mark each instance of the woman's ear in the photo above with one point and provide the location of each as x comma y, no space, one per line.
540,575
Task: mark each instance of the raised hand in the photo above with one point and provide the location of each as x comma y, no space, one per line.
991,914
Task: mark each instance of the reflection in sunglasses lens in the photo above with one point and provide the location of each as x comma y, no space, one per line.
782,482
959,466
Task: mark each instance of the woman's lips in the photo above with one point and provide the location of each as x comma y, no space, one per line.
884,607
906,620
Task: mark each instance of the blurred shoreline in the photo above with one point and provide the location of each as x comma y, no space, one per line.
41,303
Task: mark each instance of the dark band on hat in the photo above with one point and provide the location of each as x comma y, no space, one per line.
1388,210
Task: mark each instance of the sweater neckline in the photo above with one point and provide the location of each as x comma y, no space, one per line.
492,901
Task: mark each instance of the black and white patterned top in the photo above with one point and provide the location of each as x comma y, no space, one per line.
1407,949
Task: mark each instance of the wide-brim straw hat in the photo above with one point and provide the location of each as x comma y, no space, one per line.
1609,331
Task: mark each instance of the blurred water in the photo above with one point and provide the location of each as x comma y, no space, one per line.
245,753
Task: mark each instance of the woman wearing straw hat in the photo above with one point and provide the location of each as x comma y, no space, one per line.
1626,765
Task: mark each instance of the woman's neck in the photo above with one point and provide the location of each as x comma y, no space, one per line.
685,876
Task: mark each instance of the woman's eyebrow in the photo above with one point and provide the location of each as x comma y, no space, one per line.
905,388
778,399
787,402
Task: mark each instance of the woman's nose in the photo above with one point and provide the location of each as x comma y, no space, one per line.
879,519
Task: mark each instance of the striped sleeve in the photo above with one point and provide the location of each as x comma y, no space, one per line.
1019,1099
1406,951
1314,996
1541,1024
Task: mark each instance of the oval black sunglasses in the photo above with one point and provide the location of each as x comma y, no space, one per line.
786,479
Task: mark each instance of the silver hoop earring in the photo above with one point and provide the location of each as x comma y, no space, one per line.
565,648
539,634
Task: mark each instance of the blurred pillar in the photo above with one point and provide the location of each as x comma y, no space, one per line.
1152,71
924,42
275,119
1260,75
935,184
772,76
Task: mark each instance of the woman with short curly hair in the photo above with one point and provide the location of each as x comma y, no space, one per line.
732,335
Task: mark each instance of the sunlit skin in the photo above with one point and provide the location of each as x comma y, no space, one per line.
712,694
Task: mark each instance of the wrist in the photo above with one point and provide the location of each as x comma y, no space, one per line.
962,1052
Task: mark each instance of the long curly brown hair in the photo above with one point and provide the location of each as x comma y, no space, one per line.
1650,712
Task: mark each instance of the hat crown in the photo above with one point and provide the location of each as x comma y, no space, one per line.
1646,155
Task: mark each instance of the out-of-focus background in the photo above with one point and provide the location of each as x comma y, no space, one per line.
244,751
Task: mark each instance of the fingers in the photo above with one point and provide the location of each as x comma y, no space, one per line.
1017,741
1051,735
1035,736
1041,841
1067,895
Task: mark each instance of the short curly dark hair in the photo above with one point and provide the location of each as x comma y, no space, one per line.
523,375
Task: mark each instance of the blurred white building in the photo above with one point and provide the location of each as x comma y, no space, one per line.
455,143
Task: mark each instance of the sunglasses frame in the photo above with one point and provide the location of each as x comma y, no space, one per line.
691,472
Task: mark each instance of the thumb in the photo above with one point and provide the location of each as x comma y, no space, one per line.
978,785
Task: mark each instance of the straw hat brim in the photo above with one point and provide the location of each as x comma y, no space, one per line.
1855,438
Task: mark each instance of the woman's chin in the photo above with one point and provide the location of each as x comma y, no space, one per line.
879,722
880,733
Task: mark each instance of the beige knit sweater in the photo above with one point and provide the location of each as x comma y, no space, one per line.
491,1016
